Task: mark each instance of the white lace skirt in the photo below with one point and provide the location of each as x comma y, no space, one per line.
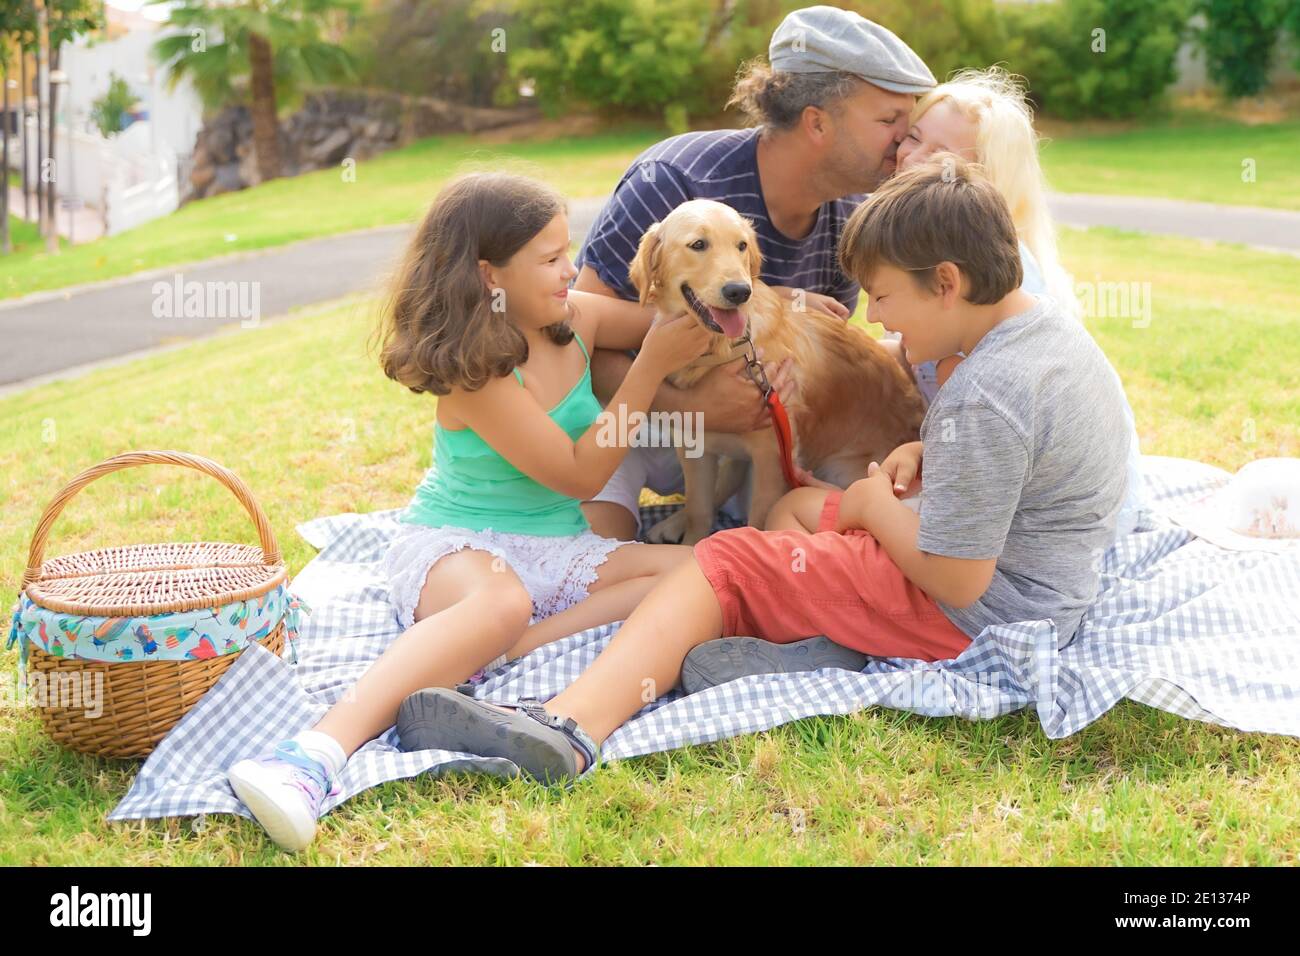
555,569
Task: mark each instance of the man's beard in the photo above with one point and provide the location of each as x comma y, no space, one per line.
852,176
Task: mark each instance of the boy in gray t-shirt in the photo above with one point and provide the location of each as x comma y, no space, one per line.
1021,462
1024,461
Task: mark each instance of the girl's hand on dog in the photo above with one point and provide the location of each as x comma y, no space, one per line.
673,342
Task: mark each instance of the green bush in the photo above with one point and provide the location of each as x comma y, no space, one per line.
1239,40
667,58
1291,22
949,35
676,60
433,49
1098,58
108,111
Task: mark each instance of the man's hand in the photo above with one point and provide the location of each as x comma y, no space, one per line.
903,466
814,302
731,402
862,499
780,375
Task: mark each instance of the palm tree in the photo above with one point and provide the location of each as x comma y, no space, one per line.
260,52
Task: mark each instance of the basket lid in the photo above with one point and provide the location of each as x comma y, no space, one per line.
141,579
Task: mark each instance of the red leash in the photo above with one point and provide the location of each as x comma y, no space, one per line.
780,420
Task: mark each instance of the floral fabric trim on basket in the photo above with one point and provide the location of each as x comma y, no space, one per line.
169,636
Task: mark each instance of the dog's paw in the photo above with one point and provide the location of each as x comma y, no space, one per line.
669,531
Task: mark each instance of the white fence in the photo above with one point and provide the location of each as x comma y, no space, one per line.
128,179
127,206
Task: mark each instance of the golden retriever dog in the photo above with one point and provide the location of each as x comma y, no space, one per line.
853,404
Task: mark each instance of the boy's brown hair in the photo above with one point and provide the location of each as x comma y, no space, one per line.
439,330
942,211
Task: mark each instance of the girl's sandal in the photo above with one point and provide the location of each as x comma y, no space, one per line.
540,743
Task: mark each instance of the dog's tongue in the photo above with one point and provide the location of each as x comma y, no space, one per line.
731,320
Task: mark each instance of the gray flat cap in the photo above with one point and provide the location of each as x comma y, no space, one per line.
825,39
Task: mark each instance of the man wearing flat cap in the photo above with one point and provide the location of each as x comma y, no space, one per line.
829,109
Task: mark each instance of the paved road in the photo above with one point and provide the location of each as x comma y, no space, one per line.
1276,230
52,332
64,329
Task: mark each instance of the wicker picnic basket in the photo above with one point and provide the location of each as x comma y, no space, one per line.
142,700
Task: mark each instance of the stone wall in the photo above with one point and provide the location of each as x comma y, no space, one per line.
331,125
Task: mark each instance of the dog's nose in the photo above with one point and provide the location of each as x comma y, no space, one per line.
736,292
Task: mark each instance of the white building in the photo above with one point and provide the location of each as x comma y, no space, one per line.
131,177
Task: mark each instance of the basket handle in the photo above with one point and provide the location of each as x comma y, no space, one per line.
131,459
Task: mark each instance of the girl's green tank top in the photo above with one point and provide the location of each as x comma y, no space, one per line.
471,486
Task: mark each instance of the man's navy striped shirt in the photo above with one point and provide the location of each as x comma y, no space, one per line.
721,165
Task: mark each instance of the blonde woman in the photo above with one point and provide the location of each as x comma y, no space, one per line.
984,117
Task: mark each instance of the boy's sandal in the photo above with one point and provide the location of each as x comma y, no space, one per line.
578,737
731,658
438,718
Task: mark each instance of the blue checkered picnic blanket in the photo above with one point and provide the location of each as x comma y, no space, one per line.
1179,624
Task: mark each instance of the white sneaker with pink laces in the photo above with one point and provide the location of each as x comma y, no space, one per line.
284,790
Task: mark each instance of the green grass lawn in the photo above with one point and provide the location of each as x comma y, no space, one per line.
304,415
1197,159
26,240
1201,160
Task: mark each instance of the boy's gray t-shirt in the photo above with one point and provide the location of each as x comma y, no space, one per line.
1024,460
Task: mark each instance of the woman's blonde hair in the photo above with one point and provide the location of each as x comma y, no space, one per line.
1006,147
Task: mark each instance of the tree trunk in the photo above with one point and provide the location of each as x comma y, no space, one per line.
40,115
52,188
5,245
721,19
22,132
266,134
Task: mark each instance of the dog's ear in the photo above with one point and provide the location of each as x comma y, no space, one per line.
644,270
752,250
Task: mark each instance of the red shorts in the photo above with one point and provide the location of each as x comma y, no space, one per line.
783,586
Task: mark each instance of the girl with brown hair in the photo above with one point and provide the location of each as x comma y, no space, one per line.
496,558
